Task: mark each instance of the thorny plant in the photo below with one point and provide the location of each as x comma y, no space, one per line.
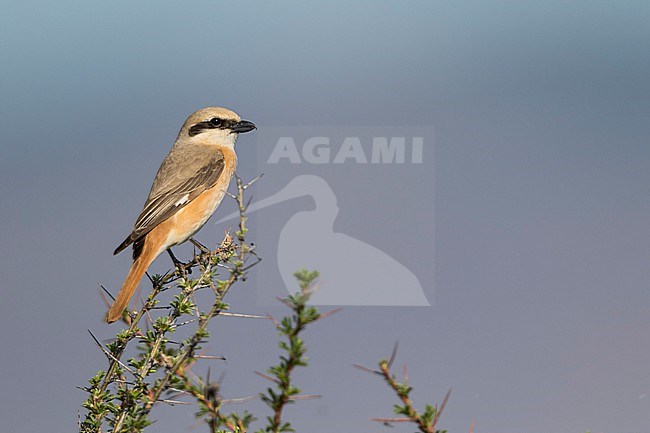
290,328
283,391
426,421
121,398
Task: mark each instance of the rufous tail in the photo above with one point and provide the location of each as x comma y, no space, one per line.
139,267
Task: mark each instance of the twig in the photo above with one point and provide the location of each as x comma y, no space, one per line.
427,421
110,355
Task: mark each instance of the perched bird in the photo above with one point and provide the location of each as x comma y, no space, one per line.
189,185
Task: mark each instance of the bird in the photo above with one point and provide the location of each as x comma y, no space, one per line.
188,188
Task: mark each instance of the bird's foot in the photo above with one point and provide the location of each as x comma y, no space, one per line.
180,266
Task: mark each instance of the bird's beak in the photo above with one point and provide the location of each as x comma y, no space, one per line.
243,126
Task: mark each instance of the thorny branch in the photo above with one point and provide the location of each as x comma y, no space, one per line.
426,421
125,404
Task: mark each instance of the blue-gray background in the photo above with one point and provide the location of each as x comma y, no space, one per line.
541,110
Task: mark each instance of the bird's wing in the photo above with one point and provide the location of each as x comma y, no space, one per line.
181,178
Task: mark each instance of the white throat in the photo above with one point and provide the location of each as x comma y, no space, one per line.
217,137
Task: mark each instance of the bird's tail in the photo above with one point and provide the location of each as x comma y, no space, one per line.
131,282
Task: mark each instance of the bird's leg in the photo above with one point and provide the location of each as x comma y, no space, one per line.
200,246
181,266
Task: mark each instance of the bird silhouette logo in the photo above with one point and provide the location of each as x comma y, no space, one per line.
353,271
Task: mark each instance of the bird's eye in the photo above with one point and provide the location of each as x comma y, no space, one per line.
215,121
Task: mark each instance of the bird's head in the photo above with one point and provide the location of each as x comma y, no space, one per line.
214,125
